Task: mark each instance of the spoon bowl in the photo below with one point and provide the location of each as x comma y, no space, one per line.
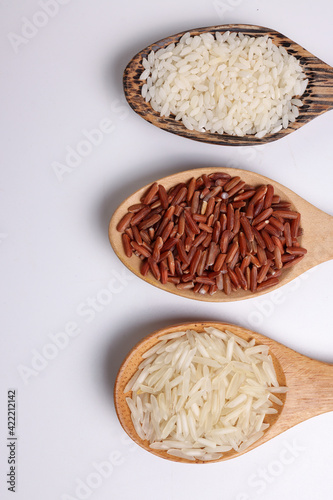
309,385
317,227
317,98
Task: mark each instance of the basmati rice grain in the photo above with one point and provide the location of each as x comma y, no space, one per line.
199,395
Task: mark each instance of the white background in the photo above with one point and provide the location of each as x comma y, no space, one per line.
55,254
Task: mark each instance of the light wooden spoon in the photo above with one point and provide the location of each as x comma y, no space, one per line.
317,99
317,237
310,384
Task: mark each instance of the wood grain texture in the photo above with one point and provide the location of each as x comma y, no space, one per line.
317,98
310,384
317,237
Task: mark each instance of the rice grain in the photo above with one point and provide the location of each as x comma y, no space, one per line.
199,395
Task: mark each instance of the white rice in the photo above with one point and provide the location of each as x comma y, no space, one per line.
230,83
211,399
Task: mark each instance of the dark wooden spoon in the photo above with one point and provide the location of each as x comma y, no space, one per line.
317,98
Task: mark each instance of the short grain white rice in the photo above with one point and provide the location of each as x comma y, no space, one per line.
230,83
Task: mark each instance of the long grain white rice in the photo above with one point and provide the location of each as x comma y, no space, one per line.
230,83
212,399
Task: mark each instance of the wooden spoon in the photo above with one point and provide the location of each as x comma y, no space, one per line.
309,381
317,99
317,237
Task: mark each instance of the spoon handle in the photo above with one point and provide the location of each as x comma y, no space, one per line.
322,237
318,234
323,87
310,385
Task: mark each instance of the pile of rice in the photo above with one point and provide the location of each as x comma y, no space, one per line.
230,83
198,395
